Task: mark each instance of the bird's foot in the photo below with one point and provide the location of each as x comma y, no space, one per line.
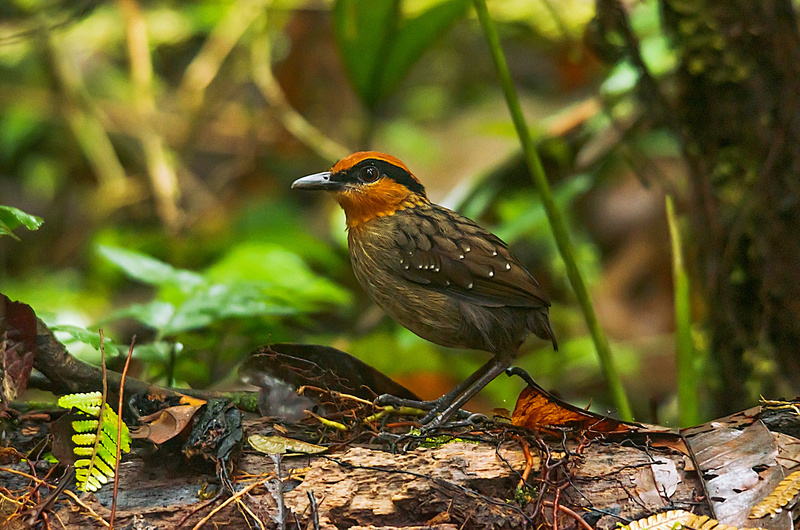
465,419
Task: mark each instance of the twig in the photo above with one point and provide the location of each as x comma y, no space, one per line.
119,431
248,511
312,501
226,502
37,480
86,507
556,505
98,435
327,422
526,449
276,489
583,524
202,506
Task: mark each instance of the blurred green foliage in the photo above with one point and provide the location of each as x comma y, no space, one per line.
378,46
161,158
11,218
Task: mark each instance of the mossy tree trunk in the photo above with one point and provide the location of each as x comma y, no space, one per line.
737,113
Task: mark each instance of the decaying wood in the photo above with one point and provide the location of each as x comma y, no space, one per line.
461,484
456,485
468,485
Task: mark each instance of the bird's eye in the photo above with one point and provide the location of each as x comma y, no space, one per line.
369,174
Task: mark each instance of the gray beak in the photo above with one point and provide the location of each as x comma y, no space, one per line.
317,181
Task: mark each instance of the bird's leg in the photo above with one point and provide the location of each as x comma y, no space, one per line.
437,405
475,383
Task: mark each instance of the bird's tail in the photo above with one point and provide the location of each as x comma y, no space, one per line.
539,324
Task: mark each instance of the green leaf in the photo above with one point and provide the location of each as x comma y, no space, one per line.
416,36
364,29
6,231
89,337
148,269
85,425
220,301
156,314
204,307
279,275
524,213
11,218
378,48
88,402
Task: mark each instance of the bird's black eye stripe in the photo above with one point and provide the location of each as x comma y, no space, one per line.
385,169
369,174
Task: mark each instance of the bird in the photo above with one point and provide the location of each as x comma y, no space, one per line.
433,270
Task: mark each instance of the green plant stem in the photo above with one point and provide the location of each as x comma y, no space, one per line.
688,405
557,222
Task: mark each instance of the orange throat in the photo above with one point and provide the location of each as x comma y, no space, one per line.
384,199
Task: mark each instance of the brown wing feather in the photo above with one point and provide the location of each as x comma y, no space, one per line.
451,254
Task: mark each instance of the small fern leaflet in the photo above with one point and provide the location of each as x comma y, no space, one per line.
677,519
776,501
94,439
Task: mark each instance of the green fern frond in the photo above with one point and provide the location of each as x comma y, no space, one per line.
88,402
98,466
81,426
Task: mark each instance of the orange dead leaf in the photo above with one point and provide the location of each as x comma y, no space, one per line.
539,410
166,424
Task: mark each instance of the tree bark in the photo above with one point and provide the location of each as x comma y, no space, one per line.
738,107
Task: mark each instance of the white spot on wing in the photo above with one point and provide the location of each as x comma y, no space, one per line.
508,266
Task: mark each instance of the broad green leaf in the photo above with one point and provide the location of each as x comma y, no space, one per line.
11,218
6,231
203,307
149,270
221,301
414,37
155,315
85,336
282,275
156,351
364,30
378,47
